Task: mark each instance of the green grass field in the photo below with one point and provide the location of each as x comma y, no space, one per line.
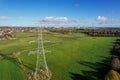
66,53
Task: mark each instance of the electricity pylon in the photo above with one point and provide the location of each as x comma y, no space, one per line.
41,71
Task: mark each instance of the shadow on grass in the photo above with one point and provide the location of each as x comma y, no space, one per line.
11,59
15,61
28,66
99,69
98,72
115,51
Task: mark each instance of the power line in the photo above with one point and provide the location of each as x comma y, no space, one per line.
41,71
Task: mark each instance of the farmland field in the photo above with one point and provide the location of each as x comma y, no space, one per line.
67,52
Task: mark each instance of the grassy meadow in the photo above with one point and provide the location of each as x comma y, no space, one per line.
67,53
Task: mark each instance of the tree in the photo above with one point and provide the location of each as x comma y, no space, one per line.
112,75
115,65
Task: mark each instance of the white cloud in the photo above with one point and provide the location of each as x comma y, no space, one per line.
55,19
75,21
77,5
4,18
59,21
107,21
101,18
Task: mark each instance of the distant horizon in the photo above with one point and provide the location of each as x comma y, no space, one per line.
60,13
65,26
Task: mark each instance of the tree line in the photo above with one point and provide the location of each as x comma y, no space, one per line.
103,32
114,72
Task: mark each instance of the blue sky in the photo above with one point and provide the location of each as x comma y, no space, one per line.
60,12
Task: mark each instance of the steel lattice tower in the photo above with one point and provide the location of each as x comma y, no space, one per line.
41,72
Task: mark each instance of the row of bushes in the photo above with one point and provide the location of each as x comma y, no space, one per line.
113,73
104,33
